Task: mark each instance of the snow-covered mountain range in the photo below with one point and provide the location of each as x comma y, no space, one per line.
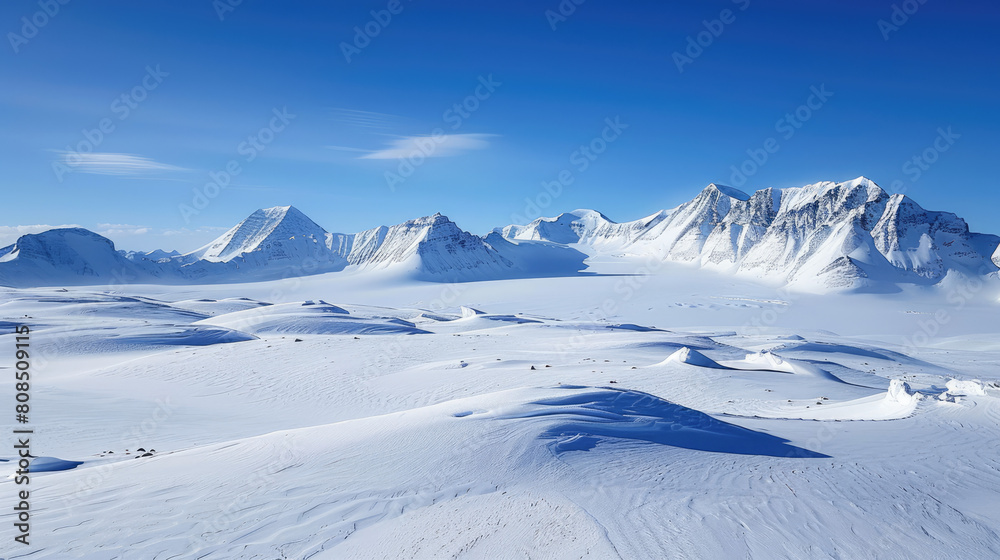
820,237
825,235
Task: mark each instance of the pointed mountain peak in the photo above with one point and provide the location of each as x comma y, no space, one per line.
874,191
259,229
587,213
435,220
731,192
281,212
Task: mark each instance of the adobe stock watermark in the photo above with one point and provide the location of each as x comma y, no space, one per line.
424,147
235,513
915,167
33,24
396,347
138,435
121,107
562,12
768,316
249,149
626,288
365,34
581,160
697,43
225,7
786,126
957,298
899,17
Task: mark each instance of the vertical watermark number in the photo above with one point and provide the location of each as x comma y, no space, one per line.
22,433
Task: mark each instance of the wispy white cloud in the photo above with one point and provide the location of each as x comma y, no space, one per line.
104,163
347,149
364,119
444,145
196,231
122,229
9,234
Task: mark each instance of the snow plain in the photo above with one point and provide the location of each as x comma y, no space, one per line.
677,414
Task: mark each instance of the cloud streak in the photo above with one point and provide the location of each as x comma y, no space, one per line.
104,163
444,145
122,229
364,119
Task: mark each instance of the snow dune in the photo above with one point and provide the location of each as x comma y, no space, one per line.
520,422
692,357
308,317
588,418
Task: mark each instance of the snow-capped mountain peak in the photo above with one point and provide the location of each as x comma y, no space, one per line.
64,255
429,246
822,236
728,191
281,230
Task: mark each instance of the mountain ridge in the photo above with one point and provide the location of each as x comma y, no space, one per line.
824,236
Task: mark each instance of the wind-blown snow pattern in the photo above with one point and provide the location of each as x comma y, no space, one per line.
237,421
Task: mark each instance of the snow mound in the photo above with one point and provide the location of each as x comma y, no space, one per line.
470,312
769,361
900,393
308,317
210,307
200,335
590,417
972,387
898,402
691,357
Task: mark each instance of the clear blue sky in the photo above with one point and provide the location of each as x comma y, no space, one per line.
552,91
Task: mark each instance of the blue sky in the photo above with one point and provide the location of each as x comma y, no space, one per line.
210,111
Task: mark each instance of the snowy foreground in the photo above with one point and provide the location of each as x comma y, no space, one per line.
679,415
